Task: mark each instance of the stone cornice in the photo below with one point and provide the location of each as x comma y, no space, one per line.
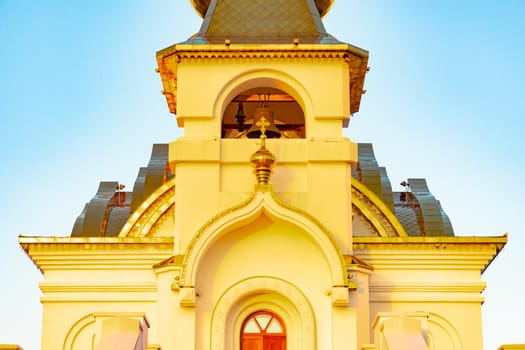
97,291
262,54
430,253
72,253
258,50
99,286
169,58
426,291
428,241
425,287
25,241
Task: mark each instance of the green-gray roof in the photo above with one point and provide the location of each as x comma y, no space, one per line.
263,21
417,209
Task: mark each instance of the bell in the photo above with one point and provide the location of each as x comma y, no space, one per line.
263,116
240,117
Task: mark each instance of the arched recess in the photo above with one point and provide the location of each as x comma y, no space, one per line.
442,334
263,293
82,330
364,201
247,212
88,330
150,211
381,219
270,79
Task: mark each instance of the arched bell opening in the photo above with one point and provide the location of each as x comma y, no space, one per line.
282,114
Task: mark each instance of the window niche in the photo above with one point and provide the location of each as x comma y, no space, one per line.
242,113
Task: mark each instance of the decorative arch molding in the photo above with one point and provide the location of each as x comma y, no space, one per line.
89,326
372,208
78,327
437,321
263,78
162,200
259,202
150,211
263,293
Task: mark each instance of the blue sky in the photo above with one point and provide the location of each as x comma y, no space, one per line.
80,103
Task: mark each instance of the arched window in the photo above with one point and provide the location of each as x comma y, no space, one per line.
263,330
285,114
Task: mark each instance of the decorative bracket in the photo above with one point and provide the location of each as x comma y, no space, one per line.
340,296
187,296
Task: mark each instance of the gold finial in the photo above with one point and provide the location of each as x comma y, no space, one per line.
263,160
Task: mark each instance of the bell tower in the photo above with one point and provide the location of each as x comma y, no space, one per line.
254,58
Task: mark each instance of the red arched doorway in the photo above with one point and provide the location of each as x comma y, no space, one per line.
263,330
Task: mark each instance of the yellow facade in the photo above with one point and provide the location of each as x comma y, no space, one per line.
319,247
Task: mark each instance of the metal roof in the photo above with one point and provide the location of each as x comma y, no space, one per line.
201,6
420,213
417,209
110,208
263,21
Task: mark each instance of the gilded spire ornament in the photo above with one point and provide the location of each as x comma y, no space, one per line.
263,161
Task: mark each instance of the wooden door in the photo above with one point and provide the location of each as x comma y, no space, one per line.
252,342
263,330
274,342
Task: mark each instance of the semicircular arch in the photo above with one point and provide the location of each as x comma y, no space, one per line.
258,78
150,211
81,325
443,331
372,208
263,293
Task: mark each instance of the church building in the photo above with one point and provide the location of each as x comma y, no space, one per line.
262,227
